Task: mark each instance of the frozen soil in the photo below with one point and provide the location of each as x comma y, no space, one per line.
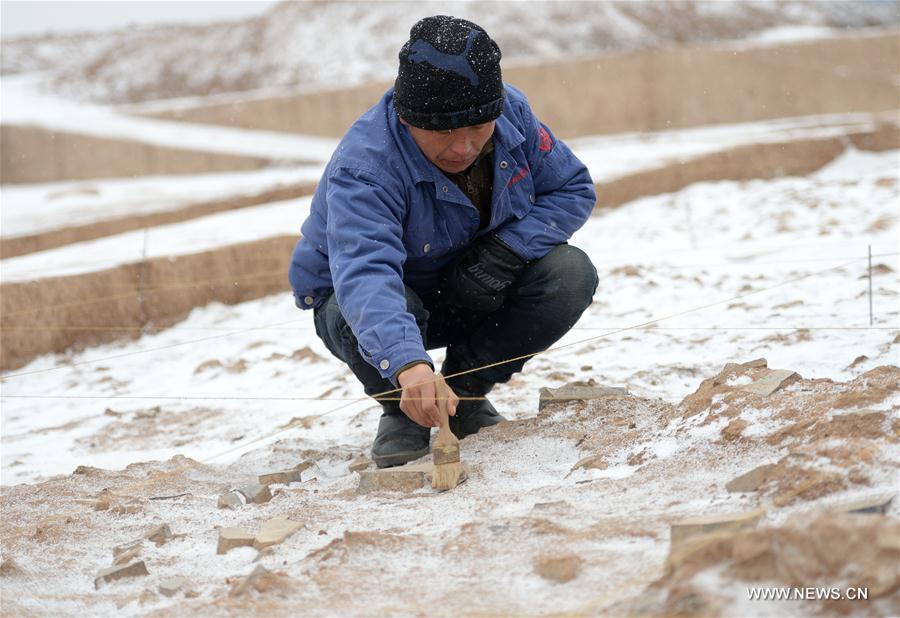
591,484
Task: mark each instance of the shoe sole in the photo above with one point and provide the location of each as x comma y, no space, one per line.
398,459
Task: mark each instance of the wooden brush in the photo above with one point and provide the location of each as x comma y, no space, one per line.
445,450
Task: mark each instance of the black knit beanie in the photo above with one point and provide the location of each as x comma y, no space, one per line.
449,75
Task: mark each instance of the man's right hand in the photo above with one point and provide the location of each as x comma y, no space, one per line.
419,392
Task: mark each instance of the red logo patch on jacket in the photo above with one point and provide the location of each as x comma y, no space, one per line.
546,142
522,173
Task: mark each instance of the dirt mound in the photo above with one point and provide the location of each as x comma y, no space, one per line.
836,552
568,510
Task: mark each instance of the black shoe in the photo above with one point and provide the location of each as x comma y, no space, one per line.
399,441
472,415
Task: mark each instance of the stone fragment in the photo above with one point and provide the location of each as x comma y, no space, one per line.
171,585
10,567
284,477
733,430
696,526
750,481
127,509
160,534
575,392
229,538
135,569
591,462
877,505
118,550
360,463
304,465
403,478
559,569
755,363
127,556
275,531
231,500
95,504
256,493
771,382
245,584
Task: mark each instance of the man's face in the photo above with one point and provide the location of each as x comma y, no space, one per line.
454,150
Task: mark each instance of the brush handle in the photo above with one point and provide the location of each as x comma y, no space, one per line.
442,393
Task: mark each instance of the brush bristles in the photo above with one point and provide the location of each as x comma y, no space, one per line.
446,476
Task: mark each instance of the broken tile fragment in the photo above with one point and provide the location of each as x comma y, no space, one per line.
135,569
245,584
771,382
575,392
750,481
360,463
160,534
256,493
171,585
229,538
283,477
231,500
275,531
876,505
696,526
560,569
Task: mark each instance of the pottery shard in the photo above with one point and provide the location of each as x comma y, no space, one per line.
696,526
771,382
750,481
256,493
229,538
170,586
284,477
574,392
275,531
559,569
135,569
876,505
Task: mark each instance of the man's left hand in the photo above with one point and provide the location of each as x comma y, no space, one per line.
482,277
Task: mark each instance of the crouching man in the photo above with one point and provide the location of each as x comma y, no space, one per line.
441,221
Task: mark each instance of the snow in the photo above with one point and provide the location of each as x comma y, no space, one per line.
24,104
297,43
35,208
816,325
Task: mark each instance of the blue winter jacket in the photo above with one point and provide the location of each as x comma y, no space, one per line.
383,216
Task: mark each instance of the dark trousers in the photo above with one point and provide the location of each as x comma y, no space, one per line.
548,298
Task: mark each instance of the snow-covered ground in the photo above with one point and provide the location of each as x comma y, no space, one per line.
341,43
30,209
725,271
24,104
35,208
